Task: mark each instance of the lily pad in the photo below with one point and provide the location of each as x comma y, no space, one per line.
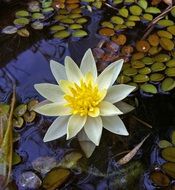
135,10
22,13
164,144
117,20
168,84
149,88
38,16
20,110
62,34
160,179
169,169
165,22
143,4
23,32
153,10
79,33
21,21
173,137
169,154
37,25
167,44
123,12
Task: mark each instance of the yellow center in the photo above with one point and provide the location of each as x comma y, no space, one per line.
84,98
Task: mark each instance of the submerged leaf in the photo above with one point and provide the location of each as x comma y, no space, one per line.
55,178
132,153
70,160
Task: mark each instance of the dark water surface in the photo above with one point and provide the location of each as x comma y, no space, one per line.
28,62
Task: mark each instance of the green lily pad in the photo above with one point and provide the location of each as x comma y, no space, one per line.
81,20
167,44
157,66
165,22
162,58
56,28
47,10
18,122
135,10
148,17
140,78
134,18
117,20
79,33
22,13
170,72
171,29
38,16
21,21
107,24
123,12
156,77
143,4
164,144
171,63
169,154
168,84
46,4
149,88
169,169
62,34
152,10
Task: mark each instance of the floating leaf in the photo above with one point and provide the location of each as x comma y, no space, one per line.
164,144
167,44
38,16
123,12
46,4
9,30
62,34
143,4
168,84
47,10
56,28
21,21
170,72
18,122
117,20
169,169
31,104
23,32
169,154
135,10
106,32
20,110
149,88
140,78
29,116
75,26
164,34
171,29
55,178
148,17
159,179
165,22
37,25
79,33
153,10
22,13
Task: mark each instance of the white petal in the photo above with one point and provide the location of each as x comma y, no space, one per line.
50,91
106,78
88,64
93,129
57,129
87,146
53,109
58,71
115,125
118,66
75,124
72,71
108,109
124,107
117,93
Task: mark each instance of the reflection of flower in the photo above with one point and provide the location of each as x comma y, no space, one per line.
83,101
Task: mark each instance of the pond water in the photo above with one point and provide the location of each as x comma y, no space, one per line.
27,60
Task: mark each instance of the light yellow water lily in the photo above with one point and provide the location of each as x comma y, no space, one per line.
83,101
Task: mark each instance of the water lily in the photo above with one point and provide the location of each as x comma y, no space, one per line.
83,101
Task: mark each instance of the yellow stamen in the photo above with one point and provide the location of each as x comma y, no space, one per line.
85,97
